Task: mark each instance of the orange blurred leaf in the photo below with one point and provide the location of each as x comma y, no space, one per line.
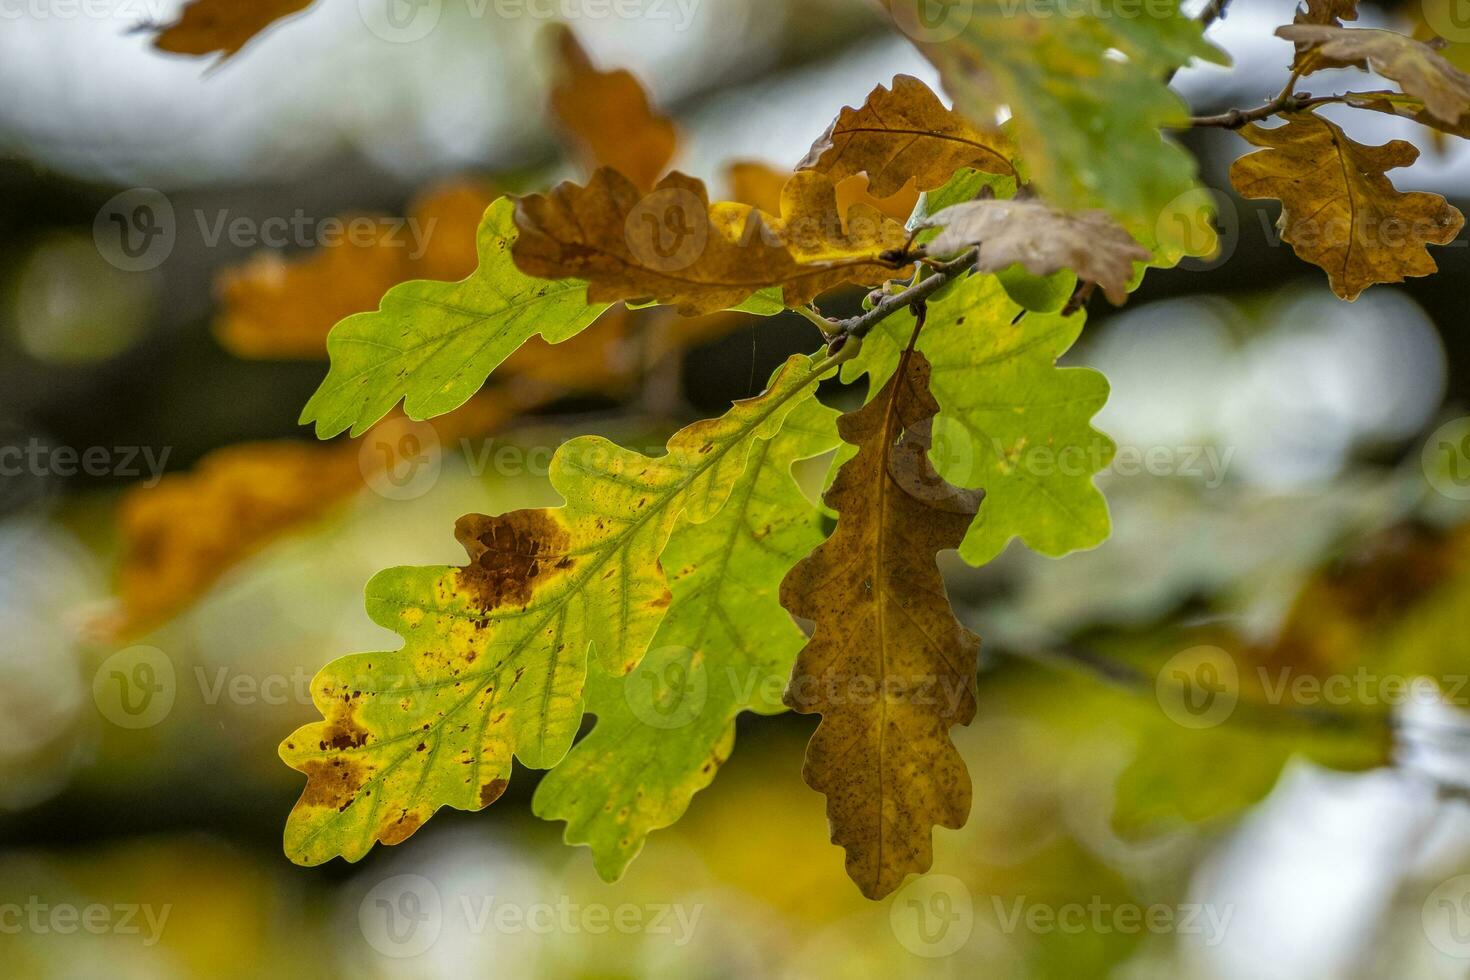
607,116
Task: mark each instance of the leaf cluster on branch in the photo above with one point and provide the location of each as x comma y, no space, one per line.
668,594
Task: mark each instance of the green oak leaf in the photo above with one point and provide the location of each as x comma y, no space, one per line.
1086,121
725,646
433,344
495,653
1010,421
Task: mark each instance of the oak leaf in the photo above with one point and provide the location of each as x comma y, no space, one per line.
888,666
725,646
1338,209
223,26
496,652
760,185
607,116
1041,239
902,134
673,247
1423,72
432,344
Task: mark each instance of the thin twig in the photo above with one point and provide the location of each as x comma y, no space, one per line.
1288,102
858,327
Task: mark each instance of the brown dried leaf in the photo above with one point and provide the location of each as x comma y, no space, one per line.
902,134
671,246
1328,12
889,667
1339,210
607,116
1042,239
1422,71
223,26
274,307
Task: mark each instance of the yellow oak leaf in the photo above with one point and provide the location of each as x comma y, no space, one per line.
1338,209
889,667
673,247
607,116
902,134
759,185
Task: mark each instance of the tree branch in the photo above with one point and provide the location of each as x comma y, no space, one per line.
858,327
1285,102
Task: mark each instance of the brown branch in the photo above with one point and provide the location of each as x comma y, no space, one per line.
1286,102
858,327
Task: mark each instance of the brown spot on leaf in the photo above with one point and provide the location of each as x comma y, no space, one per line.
401,829
510,555
331,783
491,791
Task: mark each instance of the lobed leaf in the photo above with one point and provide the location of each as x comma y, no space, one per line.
432,344
607,116
888,666
903,134
1338,209
1041,239
1086,121
723,647
496,652
672,247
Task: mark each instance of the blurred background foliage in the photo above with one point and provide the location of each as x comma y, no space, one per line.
1289,519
